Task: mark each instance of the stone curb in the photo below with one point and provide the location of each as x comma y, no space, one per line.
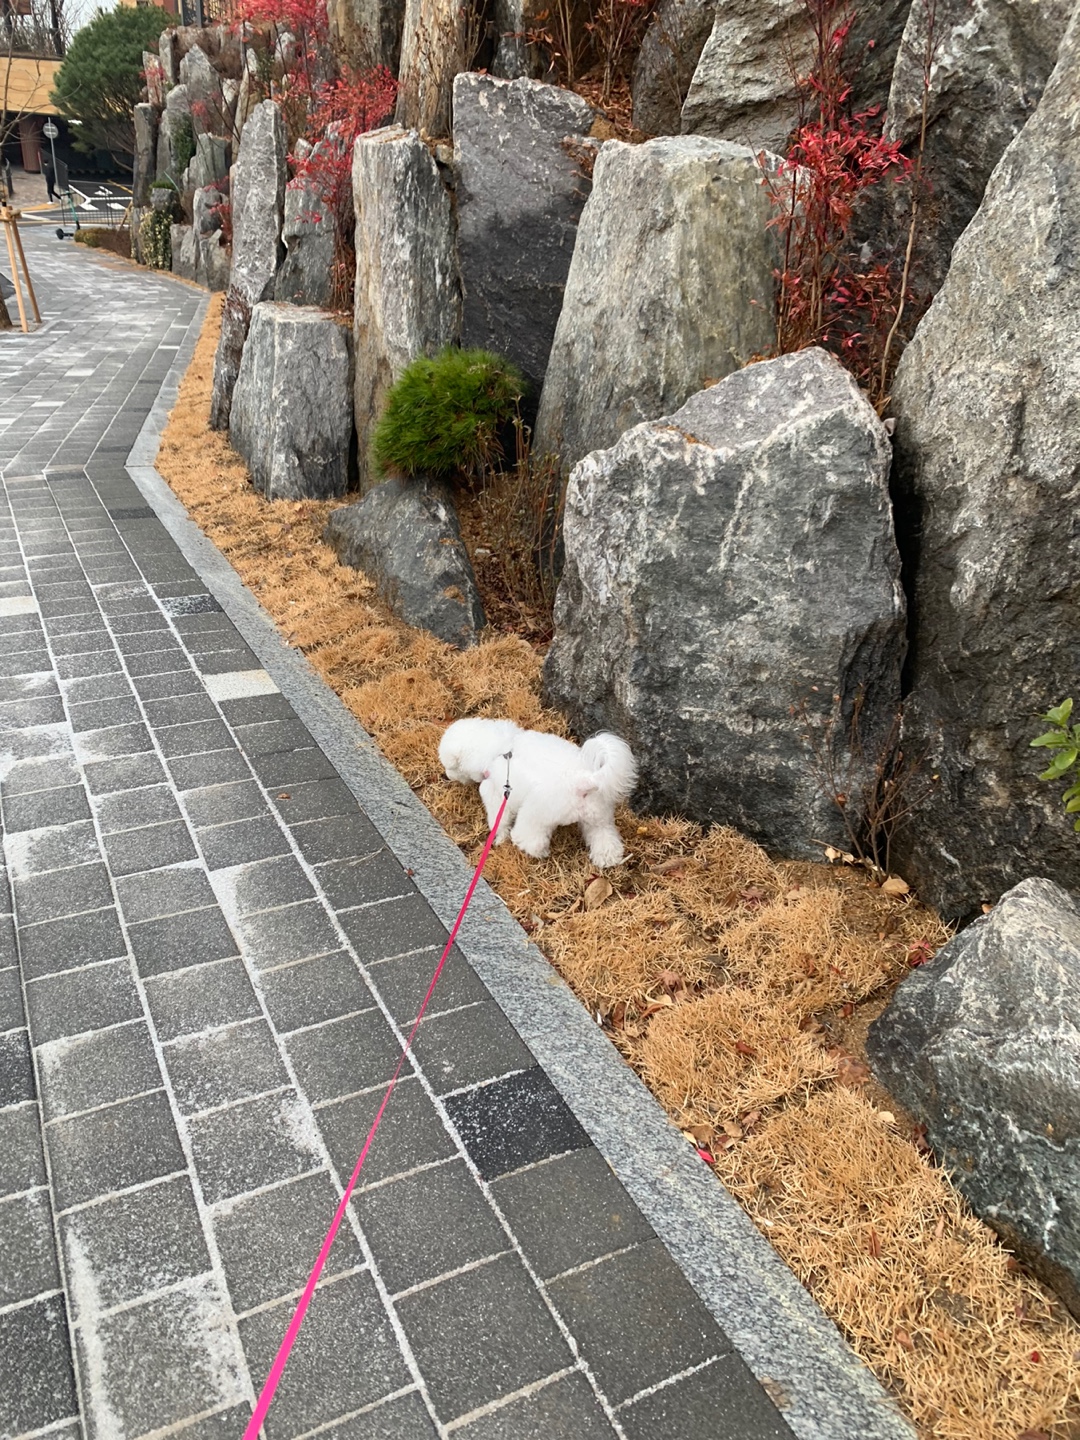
823,1390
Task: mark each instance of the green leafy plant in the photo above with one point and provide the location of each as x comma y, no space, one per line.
183,143
443,416
1064,740
155,239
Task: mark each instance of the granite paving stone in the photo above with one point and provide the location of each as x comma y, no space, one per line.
209,954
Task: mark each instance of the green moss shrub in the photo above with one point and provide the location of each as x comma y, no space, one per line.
444,415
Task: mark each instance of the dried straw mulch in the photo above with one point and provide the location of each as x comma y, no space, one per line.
736,986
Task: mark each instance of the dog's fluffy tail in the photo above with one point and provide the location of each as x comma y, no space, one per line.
611,767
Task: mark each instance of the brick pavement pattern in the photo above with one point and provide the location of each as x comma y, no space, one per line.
208,961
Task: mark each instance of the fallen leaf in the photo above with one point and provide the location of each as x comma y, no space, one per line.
702,1134
939,1228
744,1049
670,979
886,1117
704,1155
675,865
895,886
284,795
873,1243
662,1002
794,893
597,892
732,1129
903,1338
750,1119
1033,1435
1035,1357
618,1015
752,895
850,1071
919,1140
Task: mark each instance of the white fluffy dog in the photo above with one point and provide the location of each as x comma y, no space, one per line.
553,782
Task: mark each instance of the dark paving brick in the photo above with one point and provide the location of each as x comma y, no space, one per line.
16,1069
24,713
536,1202
241,843
101,662
163,892
393,927
110,1149
130,809
8,948
44,807
11,1003
363,880
220,804
269,1242
234,1063
289,767
469,1046
82,1000
40,1389
568,1408
22,1165
58,847
637,1320
314,800
153,1363
295,932
180,709
338,837
175,942
63,892
137,1242
196,738
251,1145
157,662
105,777
148,848
224,662
190,1001
313,990
481,1335
192,772
99,714
121,740
346,1356
514,1122
31,775
723,1399
411,1132
427,1224
96,1069
177,682
27,1253
265,886
344,1056
253,709
404,982
404,1418
69,943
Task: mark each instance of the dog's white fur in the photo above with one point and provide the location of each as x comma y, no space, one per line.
553,782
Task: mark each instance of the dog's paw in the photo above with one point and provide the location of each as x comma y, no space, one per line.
607,852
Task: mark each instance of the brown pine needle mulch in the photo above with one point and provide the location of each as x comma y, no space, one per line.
727,980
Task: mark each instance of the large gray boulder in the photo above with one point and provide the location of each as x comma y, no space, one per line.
664,294
408,294
175,122
211,161
732,585
747,83
211,256
308,234
145,167
519,197
258,200
155,79
185,258
291,416
203,84
405,537
169,57
987,403
666,63
368,32
982,1045
991,62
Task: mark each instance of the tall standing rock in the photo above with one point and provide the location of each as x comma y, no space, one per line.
671,287
667,61
987,400
991,61
436,45
368,32
203,85
173,129
308,234
146,127
725,565
983,1046
170,60
291,415
258,198
746,85
516,55
520,194
408,293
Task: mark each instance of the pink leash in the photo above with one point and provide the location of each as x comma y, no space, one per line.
266,1395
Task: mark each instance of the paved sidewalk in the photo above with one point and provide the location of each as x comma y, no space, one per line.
210,959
